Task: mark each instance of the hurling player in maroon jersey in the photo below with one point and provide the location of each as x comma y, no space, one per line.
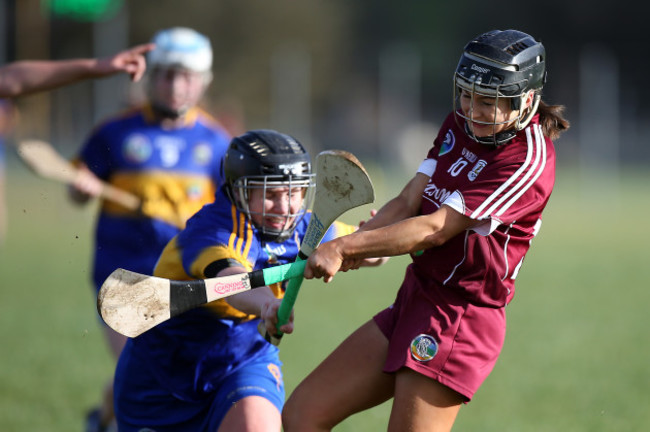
467,218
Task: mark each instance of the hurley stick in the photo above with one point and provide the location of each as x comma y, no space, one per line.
342,183
45,161
132,303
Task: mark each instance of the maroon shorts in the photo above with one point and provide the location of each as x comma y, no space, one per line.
434,331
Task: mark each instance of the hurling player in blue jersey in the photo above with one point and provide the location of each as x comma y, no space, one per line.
167,152
210,369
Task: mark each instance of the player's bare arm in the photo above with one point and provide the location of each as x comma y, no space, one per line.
31,76
131,62
354,264
404,205
406,236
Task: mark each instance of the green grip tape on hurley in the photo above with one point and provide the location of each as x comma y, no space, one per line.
281,273
290,296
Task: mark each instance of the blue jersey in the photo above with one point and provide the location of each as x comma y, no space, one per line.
192,353
173,171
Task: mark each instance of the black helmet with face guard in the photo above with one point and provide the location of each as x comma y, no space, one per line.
502,64
263,159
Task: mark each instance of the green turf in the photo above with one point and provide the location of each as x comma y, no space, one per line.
576,354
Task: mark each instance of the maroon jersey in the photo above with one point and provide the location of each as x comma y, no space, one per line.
504,187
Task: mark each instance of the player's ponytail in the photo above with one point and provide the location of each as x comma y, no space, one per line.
551,119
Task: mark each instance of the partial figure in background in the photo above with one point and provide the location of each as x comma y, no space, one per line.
209,368
467,218
168,153
25,77
8,116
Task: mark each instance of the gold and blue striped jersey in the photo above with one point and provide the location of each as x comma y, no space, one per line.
221,232
216,337
173,171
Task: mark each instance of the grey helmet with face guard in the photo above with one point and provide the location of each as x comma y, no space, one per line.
263,159
501,64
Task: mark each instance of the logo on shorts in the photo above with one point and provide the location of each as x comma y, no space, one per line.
424,348
275,371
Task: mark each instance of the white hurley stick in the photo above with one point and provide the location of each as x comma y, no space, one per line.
132,303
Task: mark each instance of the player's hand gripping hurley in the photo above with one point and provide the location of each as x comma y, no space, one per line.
132,303
342,183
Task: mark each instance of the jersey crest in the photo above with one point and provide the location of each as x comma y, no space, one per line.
447,143
137,148
478,167
202,154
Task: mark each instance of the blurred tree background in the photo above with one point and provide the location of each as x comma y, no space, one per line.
373,77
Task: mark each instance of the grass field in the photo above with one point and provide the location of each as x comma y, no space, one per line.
576,355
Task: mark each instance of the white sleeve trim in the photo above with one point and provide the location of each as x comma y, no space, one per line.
428,167
455,201
484,228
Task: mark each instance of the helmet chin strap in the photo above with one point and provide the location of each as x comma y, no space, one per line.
280,237
495,140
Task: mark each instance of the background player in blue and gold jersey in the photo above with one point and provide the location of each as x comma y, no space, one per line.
8,116
210,369
167,152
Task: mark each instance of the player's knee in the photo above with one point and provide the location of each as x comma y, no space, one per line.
298,415
292,417
288,416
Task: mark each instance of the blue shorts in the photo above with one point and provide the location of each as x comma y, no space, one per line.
141,402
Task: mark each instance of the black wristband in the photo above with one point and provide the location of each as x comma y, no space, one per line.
213,269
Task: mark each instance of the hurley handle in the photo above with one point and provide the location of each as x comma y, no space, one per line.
290,295
290,271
